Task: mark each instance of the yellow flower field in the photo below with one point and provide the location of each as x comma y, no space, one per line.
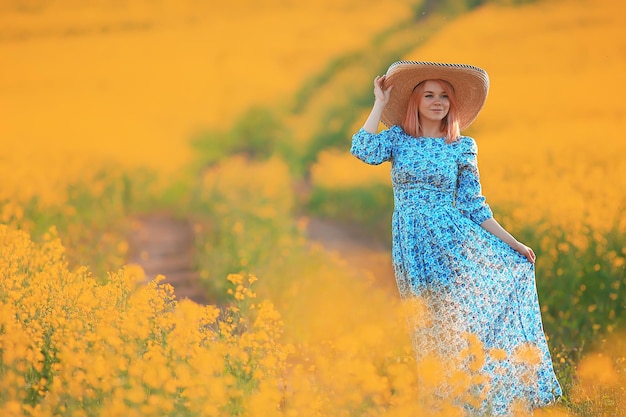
99,100
132,81
71,346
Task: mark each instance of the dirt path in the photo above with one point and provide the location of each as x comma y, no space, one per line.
359,250
162,244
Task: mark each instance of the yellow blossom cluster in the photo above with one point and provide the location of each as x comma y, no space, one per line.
86,199
70,345
249,206
602,374
27,175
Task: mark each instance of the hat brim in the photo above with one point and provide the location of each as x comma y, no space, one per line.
471,85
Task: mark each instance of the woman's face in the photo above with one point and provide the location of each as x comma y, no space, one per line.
434,103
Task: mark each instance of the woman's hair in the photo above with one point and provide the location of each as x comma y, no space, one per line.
449,124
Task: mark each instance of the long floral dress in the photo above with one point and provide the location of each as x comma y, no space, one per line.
473,282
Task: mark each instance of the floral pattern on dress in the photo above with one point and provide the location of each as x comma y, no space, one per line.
473,282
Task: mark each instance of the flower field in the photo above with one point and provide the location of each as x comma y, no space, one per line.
112,109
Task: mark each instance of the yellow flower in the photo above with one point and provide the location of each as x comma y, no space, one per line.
498,354
597,369
527,353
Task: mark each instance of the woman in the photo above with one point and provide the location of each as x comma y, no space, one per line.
476,279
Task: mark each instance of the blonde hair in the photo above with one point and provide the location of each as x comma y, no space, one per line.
449,124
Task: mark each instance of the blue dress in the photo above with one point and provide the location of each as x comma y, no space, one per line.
472,283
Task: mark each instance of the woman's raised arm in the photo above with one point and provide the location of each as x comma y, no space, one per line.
382,98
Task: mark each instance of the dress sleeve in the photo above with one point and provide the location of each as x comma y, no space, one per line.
469,199
373,149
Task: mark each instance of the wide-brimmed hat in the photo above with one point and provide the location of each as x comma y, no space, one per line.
471,85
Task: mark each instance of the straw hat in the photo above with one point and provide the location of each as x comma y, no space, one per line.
470,84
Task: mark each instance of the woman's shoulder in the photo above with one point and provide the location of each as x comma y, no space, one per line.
392,132
397,130
467,144
395,133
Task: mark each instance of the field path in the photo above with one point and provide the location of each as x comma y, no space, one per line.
364,254
163,244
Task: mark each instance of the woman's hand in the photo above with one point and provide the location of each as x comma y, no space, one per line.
382,95
493,227
526,251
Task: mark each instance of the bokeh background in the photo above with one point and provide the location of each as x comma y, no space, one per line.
232,121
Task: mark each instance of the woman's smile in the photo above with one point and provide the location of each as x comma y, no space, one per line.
434,103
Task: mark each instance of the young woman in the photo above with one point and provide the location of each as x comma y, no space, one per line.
476,279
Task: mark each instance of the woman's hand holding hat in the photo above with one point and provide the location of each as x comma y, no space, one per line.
382,95
382,98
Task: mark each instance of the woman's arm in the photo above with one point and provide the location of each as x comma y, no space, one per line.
382,98
493,227
368,145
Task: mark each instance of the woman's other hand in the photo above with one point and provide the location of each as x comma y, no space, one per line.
525,251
